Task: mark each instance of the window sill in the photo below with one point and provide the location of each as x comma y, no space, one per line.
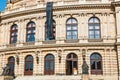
29,43
49,42
72,41
95,40
11,45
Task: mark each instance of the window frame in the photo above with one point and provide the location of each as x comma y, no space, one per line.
30,31
94,30
54,30
95,60
49,71
11,64
29,62
15,32
72,30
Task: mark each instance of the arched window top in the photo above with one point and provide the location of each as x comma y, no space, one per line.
49,57
94,20
31,24
11,59
71,55
53,21
96,56
29,58
14,27
72,21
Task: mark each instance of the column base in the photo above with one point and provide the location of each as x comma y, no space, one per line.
6,77
85,77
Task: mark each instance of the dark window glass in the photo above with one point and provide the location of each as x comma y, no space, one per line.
28,65
96,63
13,34
94,28
11,64
30,32
71,64
72,28
54,30
49,64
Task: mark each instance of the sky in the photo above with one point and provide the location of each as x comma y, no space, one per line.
2,5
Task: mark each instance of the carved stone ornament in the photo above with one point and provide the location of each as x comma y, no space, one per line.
85,68
6,70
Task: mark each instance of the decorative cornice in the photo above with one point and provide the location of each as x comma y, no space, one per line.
55,9
57,46
116,4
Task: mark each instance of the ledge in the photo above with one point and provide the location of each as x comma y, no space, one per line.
71,41
49,42
28,43
95,40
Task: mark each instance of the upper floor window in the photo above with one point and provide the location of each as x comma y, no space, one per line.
47,34
13,33
96,63
94,28
30,36
72,28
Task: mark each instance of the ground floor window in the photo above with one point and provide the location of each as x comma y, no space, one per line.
96,63
71,64
49,64
28,65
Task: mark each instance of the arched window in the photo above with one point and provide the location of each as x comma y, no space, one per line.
47,31
49,65
71,64
72,28
96,63
94,28
11,64
30,32
28,65
13,33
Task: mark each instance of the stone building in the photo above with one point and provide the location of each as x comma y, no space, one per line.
82,28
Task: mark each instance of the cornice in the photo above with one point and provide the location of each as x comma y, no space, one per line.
55,9
57,46
116,4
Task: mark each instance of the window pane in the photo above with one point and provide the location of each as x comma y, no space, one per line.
29,58
74,33
74,27
46,65
69,33
75,64
69,27
97,56
26,66
69,37
97,26
91,27
31,66
69,21
91,37
74,37
96,20
91,32
93,65
98,65
74,21
91,20
52,65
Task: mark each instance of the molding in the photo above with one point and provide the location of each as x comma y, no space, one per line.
92,44
55,8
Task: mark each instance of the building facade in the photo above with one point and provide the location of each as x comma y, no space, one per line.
82,28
